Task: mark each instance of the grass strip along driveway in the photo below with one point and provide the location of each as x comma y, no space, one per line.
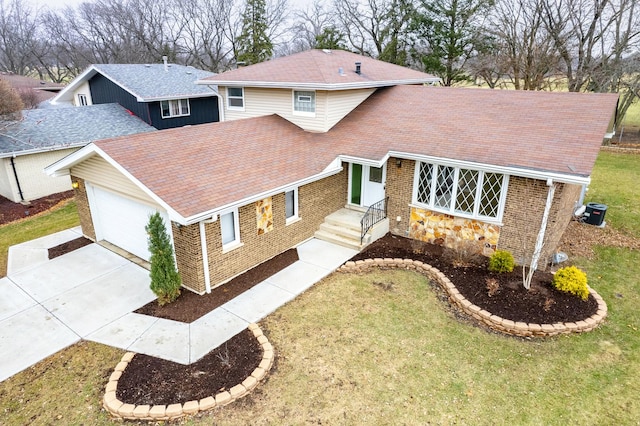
383,348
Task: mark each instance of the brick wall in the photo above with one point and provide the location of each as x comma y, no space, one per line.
315,201
186,243
523,213
82,204
524,207
399,188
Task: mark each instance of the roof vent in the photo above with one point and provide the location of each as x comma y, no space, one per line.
358,67
166,65
341,71
327,51
147,65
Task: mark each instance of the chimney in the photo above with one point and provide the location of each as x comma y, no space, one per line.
166,65
358,71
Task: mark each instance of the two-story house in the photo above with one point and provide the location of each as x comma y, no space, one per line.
309,141
163,95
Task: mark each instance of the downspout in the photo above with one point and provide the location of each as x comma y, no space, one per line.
15,173
205,253
537,251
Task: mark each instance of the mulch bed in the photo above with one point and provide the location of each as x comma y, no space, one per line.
10,211
69,246
153,381
542,304
190,306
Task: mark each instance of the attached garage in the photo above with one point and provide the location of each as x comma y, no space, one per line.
121,220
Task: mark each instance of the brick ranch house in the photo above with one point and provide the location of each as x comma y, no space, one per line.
304,136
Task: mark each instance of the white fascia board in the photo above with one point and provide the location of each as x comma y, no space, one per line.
185,96
73,85
39,150
321,86
62,168
507,170
363,161
237,204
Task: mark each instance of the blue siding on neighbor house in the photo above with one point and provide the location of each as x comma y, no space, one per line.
104,91
202,110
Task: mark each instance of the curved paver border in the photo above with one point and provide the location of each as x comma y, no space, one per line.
494,322
121,410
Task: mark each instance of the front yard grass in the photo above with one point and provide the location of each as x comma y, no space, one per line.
61,218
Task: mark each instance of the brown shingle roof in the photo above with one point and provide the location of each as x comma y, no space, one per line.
205,167
320,68
547,131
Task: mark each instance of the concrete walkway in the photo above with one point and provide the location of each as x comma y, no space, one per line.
91,293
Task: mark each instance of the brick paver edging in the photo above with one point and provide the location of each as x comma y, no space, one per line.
121,410
493,321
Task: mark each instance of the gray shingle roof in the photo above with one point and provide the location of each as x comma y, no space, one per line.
151,81
60,128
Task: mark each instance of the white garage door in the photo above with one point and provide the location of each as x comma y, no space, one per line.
121,221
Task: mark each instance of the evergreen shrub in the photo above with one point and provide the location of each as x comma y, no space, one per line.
571,280
501,261
165,279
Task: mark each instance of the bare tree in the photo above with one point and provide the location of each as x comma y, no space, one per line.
590,35
377,28
309,24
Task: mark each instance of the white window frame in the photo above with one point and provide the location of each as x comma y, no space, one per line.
235,243
451,209
296,94
295,217
229,97
82,99
175,108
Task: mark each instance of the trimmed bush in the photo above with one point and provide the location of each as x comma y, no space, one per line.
571,280
501,261
165,279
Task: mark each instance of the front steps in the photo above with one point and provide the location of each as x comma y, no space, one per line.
343,228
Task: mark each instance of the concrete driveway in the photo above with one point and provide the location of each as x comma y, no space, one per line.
91,293
47,305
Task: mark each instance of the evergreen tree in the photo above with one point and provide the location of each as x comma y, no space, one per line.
253,45
330,38
165,279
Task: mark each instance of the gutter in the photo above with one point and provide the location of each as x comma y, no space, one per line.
15,173
319,86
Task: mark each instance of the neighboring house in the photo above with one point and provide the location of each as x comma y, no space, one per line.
163,95
44,136
470,169
32,89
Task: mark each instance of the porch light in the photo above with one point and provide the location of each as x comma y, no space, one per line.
74,185
399,162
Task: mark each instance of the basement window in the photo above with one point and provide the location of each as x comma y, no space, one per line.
457,191
174,108
291,205
230,230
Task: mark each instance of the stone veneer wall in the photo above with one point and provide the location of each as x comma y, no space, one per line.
315,201
186,243
464,235
523,213
84,212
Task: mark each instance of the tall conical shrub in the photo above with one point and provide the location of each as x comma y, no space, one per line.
165,279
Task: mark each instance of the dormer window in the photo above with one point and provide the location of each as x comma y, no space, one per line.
304,102
174,108
235,98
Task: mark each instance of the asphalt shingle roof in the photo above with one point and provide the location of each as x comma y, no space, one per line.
151,81
222,163
60,128
320,68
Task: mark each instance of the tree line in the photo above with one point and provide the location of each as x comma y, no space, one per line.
575,45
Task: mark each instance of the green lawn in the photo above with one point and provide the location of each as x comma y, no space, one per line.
616,183
351,352
29,229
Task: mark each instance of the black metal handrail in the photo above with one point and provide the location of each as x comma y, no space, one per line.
377,212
